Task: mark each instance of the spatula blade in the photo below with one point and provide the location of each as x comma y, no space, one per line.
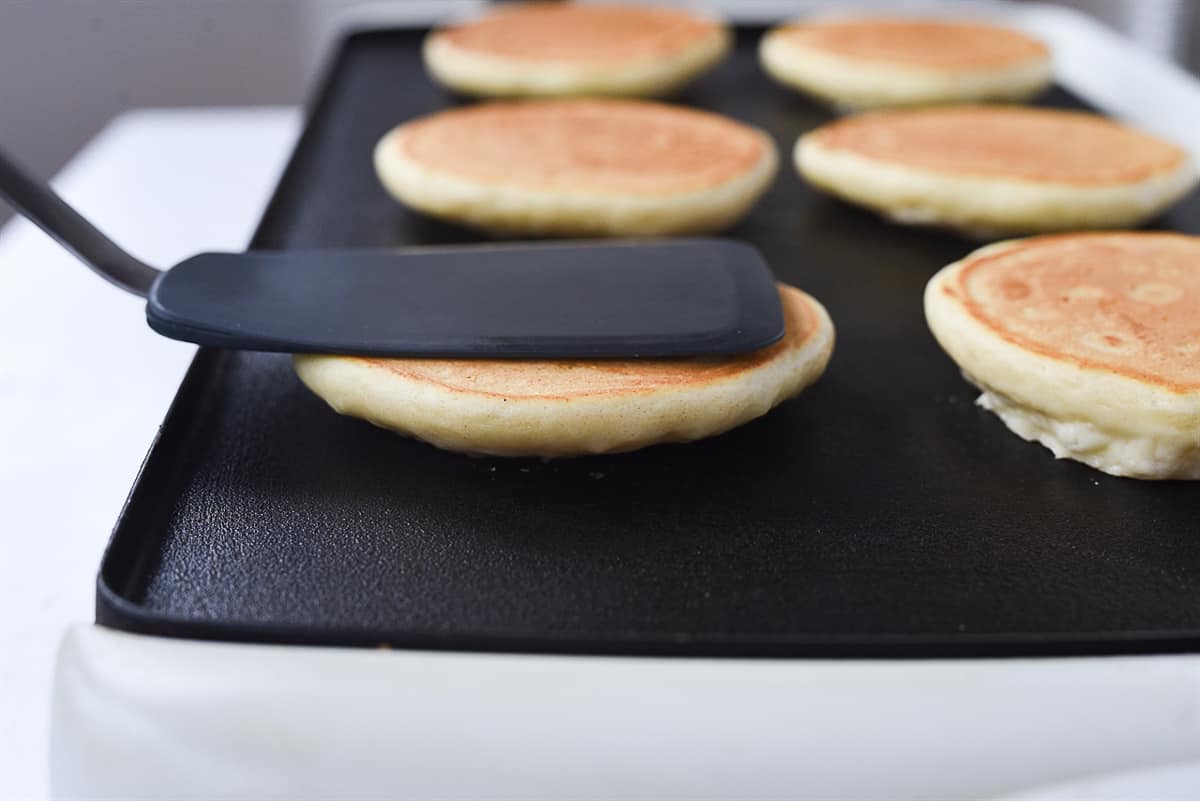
693,297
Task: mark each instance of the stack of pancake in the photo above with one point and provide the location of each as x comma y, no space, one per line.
1085,342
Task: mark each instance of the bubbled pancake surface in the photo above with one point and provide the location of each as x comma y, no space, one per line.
566,32
617,146
1126,303
1028,144
929,44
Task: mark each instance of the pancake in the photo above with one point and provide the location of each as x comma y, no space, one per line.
877,62
575,407
563,49
586,167
996,170
1088,343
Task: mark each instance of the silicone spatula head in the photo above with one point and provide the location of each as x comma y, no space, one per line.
587,300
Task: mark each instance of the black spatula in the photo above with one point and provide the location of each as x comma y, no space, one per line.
688,297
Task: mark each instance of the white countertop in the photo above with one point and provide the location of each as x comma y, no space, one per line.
84,383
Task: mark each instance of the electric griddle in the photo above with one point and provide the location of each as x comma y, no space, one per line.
881,513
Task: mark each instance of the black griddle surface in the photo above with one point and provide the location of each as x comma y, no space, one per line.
881,513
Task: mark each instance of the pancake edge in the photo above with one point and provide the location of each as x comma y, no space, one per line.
549,427
987,207
479,75
510,209
1121,425
857,84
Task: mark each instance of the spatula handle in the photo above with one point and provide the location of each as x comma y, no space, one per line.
37,201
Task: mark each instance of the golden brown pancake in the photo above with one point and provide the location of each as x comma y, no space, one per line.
1125,303
562,49
593,145
1087,343
997,170
879,62
567,408
558,32
588,166
925,43
1030,144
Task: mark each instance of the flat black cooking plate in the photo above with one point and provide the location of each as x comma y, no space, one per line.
881,513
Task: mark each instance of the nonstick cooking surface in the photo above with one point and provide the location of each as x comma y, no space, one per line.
880,513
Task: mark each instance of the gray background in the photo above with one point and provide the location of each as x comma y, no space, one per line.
68,66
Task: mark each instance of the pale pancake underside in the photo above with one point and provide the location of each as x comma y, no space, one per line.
886,62
579,168
572,408
566,50
993,171
1086,343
